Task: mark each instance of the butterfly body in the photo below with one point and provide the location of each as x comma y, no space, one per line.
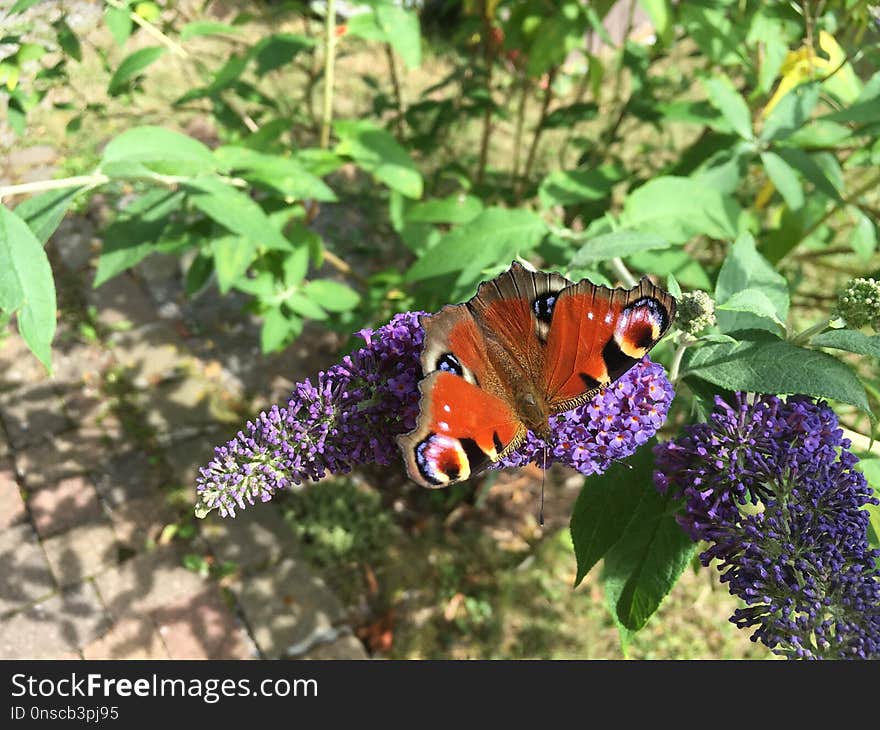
528,345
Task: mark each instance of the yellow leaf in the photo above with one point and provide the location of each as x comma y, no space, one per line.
764,195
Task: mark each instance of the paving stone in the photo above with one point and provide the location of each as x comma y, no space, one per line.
74,240
186,457
151,353
18,366
130,474
132,637
25,576
35,156
255,537
120,302
346,647
180,408
12,509
286,605
202,627
55,627
69,454
32,413
76,363
81,552
58,507
146,582
139,522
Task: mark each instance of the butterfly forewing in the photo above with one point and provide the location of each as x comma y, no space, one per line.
597,334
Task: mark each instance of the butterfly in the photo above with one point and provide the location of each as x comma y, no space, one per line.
529,344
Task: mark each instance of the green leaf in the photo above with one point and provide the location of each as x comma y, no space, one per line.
22,5
762,363
332,295
849,340
458,208
206,27
159,150
277,329
567,117
810,169
784,178
754,301
278,50
644,564
606,505
392,24
232,257
557,34
679,208
26,285
673,287
791,112
619,243
674,261
863,239
198,273
568,187
285,175
236,211
119,22
67,39
135,233
43,213
662,17
865,112
732,106
305,307
496,235
131,67
745,269
380,154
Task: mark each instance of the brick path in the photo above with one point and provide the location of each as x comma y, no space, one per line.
97,469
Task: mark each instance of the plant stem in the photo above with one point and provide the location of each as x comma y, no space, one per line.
395,83
329,58
65,182
520,119
545,105
487,116
675,367
622,273
805,336
173,46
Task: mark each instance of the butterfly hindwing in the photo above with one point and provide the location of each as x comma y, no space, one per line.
597,334
462,429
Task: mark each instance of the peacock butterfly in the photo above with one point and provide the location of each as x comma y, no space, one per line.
529,344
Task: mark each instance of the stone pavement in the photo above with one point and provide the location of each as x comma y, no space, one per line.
101,555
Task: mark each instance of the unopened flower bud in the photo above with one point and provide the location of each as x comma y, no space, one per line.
859,304
696,312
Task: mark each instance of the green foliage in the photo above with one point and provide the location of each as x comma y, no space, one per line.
736,154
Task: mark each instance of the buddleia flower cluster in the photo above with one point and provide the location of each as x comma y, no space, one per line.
772,486
696,312
859,304
352,413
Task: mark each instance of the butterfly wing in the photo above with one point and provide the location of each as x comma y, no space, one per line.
596,334
465,421
461,430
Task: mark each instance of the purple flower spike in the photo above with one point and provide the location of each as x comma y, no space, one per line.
772,486
355,410
609,428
